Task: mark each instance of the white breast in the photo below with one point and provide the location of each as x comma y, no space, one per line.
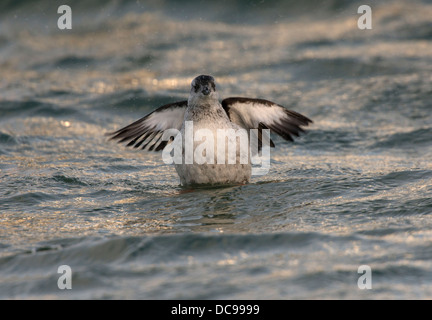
212,149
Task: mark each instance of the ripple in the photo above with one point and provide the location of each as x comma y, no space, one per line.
7,139
406,140
31,108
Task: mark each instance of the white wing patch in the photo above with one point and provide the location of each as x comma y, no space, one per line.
147,132
262,114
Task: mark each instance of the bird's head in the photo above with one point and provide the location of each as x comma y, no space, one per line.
203,88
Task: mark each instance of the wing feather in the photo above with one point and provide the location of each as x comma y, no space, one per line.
263,114
148,131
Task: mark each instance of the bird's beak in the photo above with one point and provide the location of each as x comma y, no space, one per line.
206,90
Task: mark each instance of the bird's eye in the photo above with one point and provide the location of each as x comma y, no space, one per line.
196,87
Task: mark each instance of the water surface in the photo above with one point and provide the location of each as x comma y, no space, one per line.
355,190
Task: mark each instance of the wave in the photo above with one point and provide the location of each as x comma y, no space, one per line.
406,140
66,62
21,109
169,266
132,99
7,139
126,5
147,248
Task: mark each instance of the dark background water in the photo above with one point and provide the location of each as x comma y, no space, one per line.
356,190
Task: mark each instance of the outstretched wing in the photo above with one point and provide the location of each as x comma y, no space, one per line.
263,114
147,132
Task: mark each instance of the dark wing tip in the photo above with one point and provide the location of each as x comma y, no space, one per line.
262,126
142,132
289,124
301,119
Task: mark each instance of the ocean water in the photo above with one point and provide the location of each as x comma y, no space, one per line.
355,190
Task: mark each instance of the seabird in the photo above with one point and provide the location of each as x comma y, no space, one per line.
204,111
